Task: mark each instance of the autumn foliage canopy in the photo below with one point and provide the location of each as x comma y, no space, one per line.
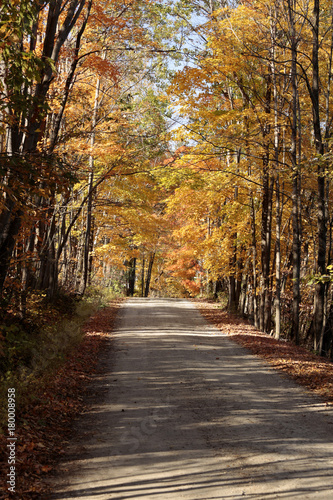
173,148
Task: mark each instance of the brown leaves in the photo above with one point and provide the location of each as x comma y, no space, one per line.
42,427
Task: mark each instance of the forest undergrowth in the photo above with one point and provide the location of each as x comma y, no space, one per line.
50,399
308,369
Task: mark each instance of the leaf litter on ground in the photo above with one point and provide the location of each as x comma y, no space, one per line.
306,368
44,425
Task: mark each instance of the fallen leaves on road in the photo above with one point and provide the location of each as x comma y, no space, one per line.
44,426
309,370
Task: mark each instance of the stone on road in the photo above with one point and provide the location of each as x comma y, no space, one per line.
183,412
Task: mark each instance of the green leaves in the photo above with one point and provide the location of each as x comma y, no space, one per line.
322,278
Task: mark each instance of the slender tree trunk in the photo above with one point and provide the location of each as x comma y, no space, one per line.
69,82
232,300
254,265
277,256
234,288
149,271
266,220
295,181
7,245
131,277
87,239
265,251
87,243
278,262
47,279
320,287
244,287
143,277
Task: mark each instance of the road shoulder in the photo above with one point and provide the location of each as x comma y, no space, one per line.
307,369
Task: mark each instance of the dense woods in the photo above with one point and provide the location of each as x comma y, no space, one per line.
259,123
174,148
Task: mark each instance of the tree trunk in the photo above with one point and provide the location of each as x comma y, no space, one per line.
278,211
295,182
233,299
265,300
320,287
143,276
266,220
278,262
254,266
149,271
7,245
87,242
131,277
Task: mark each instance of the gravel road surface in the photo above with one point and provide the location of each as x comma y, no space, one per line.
180,411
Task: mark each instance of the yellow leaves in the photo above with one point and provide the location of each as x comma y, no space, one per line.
209,219
188,80
125,214
7,36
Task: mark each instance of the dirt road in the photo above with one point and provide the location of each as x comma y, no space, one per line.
182,412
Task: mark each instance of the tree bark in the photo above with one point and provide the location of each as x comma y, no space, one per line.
131,277
295,181
320,287
254,265
143,276
149,271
